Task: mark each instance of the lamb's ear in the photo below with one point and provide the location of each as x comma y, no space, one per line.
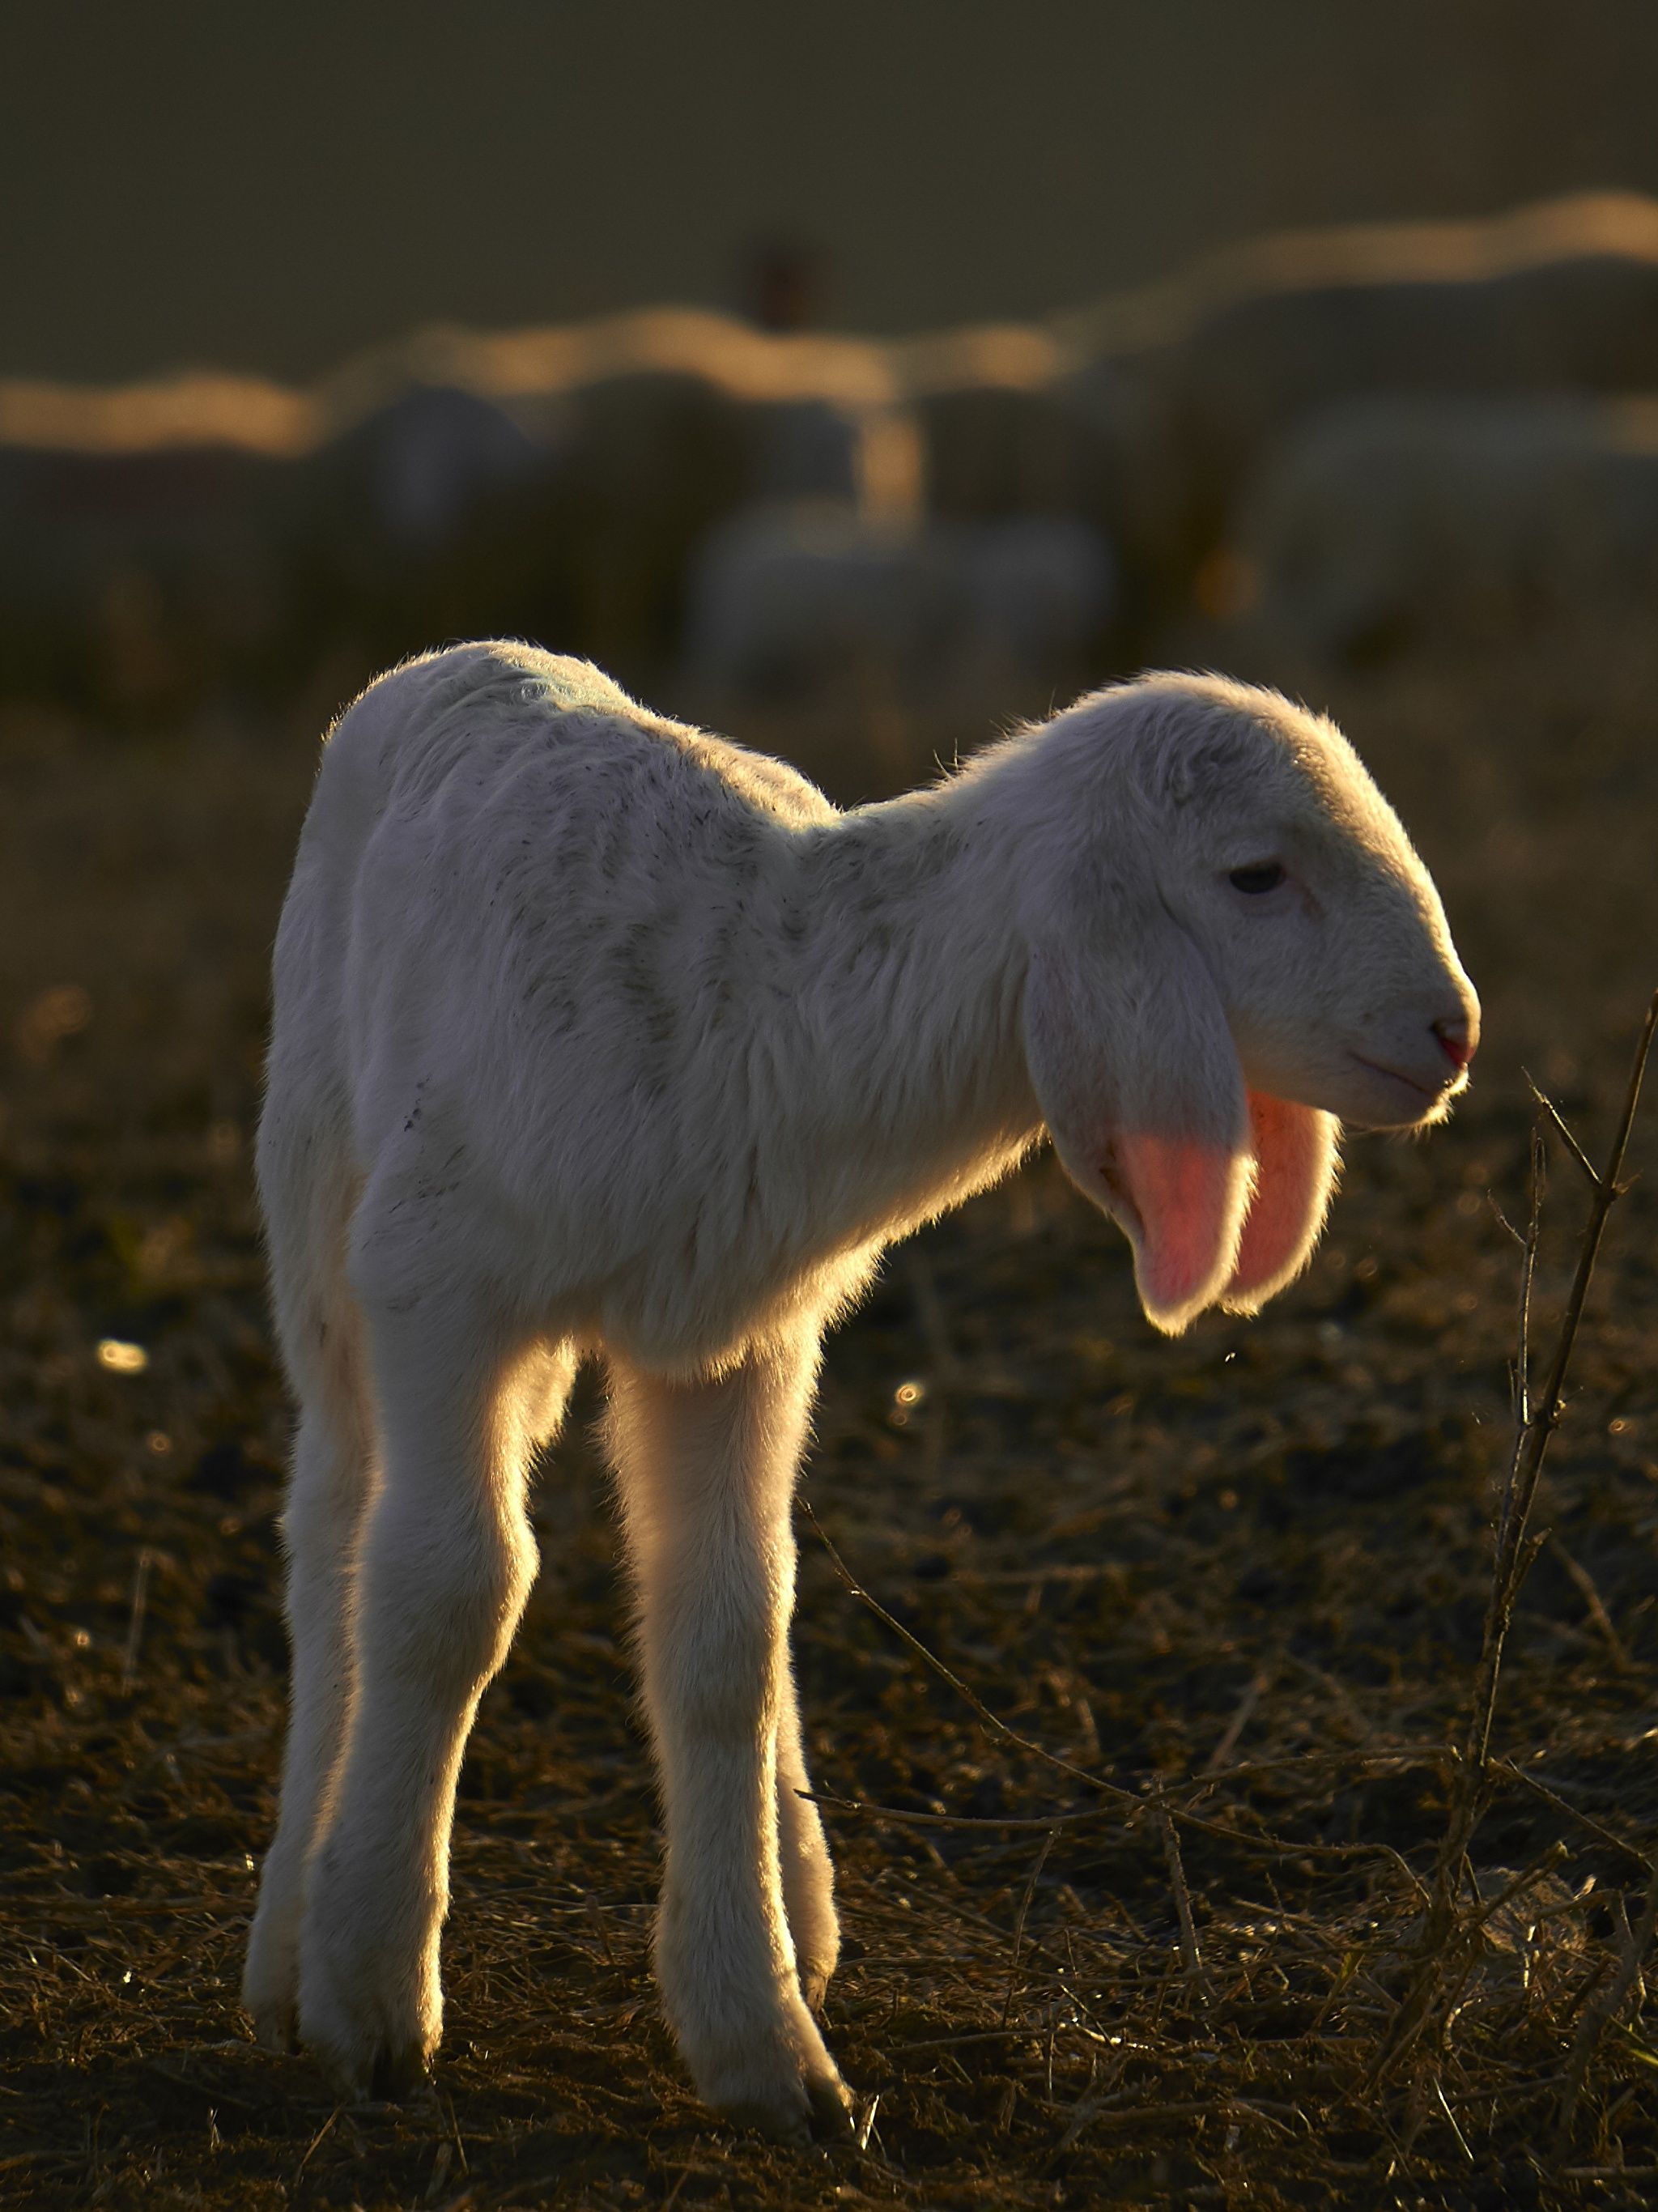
1137,1078
1295,1164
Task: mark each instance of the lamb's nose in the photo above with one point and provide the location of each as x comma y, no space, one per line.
1455,1042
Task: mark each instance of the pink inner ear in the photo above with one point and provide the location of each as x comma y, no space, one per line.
1187,1200
1295,1149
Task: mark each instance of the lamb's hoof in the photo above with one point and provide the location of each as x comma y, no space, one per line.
779,2124
371,2007
275,2031
833,2117
821,2112
378,2052
373,2073
394,2076
271,1983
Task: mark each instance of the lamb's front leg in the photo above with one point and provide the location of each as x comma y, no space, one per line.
708,1476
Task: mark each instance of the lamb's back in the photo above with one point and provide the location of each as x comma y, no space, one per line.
539,914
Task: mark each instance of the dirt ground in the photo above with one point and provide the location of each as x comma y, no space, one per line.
1241,1576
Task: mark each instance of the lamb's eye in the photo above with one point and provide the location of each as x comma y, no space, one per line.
1260,876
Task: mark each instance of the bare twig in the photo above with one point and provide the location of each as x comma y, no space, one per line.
1254,1690
1562,1131
315,2143
1019,1925
1124,1798
1086,2109
454,2134
1533,1441
1259,1843
596,1922
999,1824
1404,1754
1541,1789
1222,2108
1445,1947
136,1621
1527,1278
1171,1851
1120,1801
1585,1586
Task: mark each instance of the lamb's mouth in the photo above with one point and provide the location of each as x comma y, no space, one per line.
1427,1097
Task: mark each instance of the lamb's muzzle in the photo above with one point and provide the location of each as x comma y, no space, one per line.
594,1035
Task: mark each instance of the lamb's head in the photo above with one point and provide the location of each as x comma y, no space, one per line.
1233,949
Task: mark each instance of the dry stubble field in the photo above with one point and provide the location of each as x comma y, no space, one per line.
1247,1570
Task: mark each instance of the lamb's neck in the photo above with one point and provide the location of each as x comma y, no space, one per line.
915,973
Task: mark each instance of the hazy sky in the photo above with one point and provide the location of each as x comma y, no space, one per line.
267,188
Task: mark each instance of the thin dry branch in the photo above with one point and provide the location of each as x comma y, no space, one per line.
1171,1851
1018,1926
1585,1820
1254,1690
1128,1801
136,1620
1563,1131
1583,1581
1445,1947
929,1658
1533,1441
1256,1843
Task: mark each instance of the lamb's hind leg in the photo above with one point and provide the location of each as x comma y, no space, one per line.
448,1563
708,1476
333,1473
808,1872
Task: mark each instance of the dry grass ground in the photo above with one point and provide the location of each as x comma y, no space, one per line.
1260,1551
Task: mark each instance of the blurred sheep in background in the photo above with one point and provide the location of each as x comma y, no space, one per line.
1395,522
787,602
776,515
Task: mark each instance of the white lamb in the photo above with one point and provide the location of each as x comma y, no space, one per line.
595,1035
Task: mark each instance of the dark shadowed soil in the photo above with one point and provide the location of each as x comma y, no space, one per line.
1260,1551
